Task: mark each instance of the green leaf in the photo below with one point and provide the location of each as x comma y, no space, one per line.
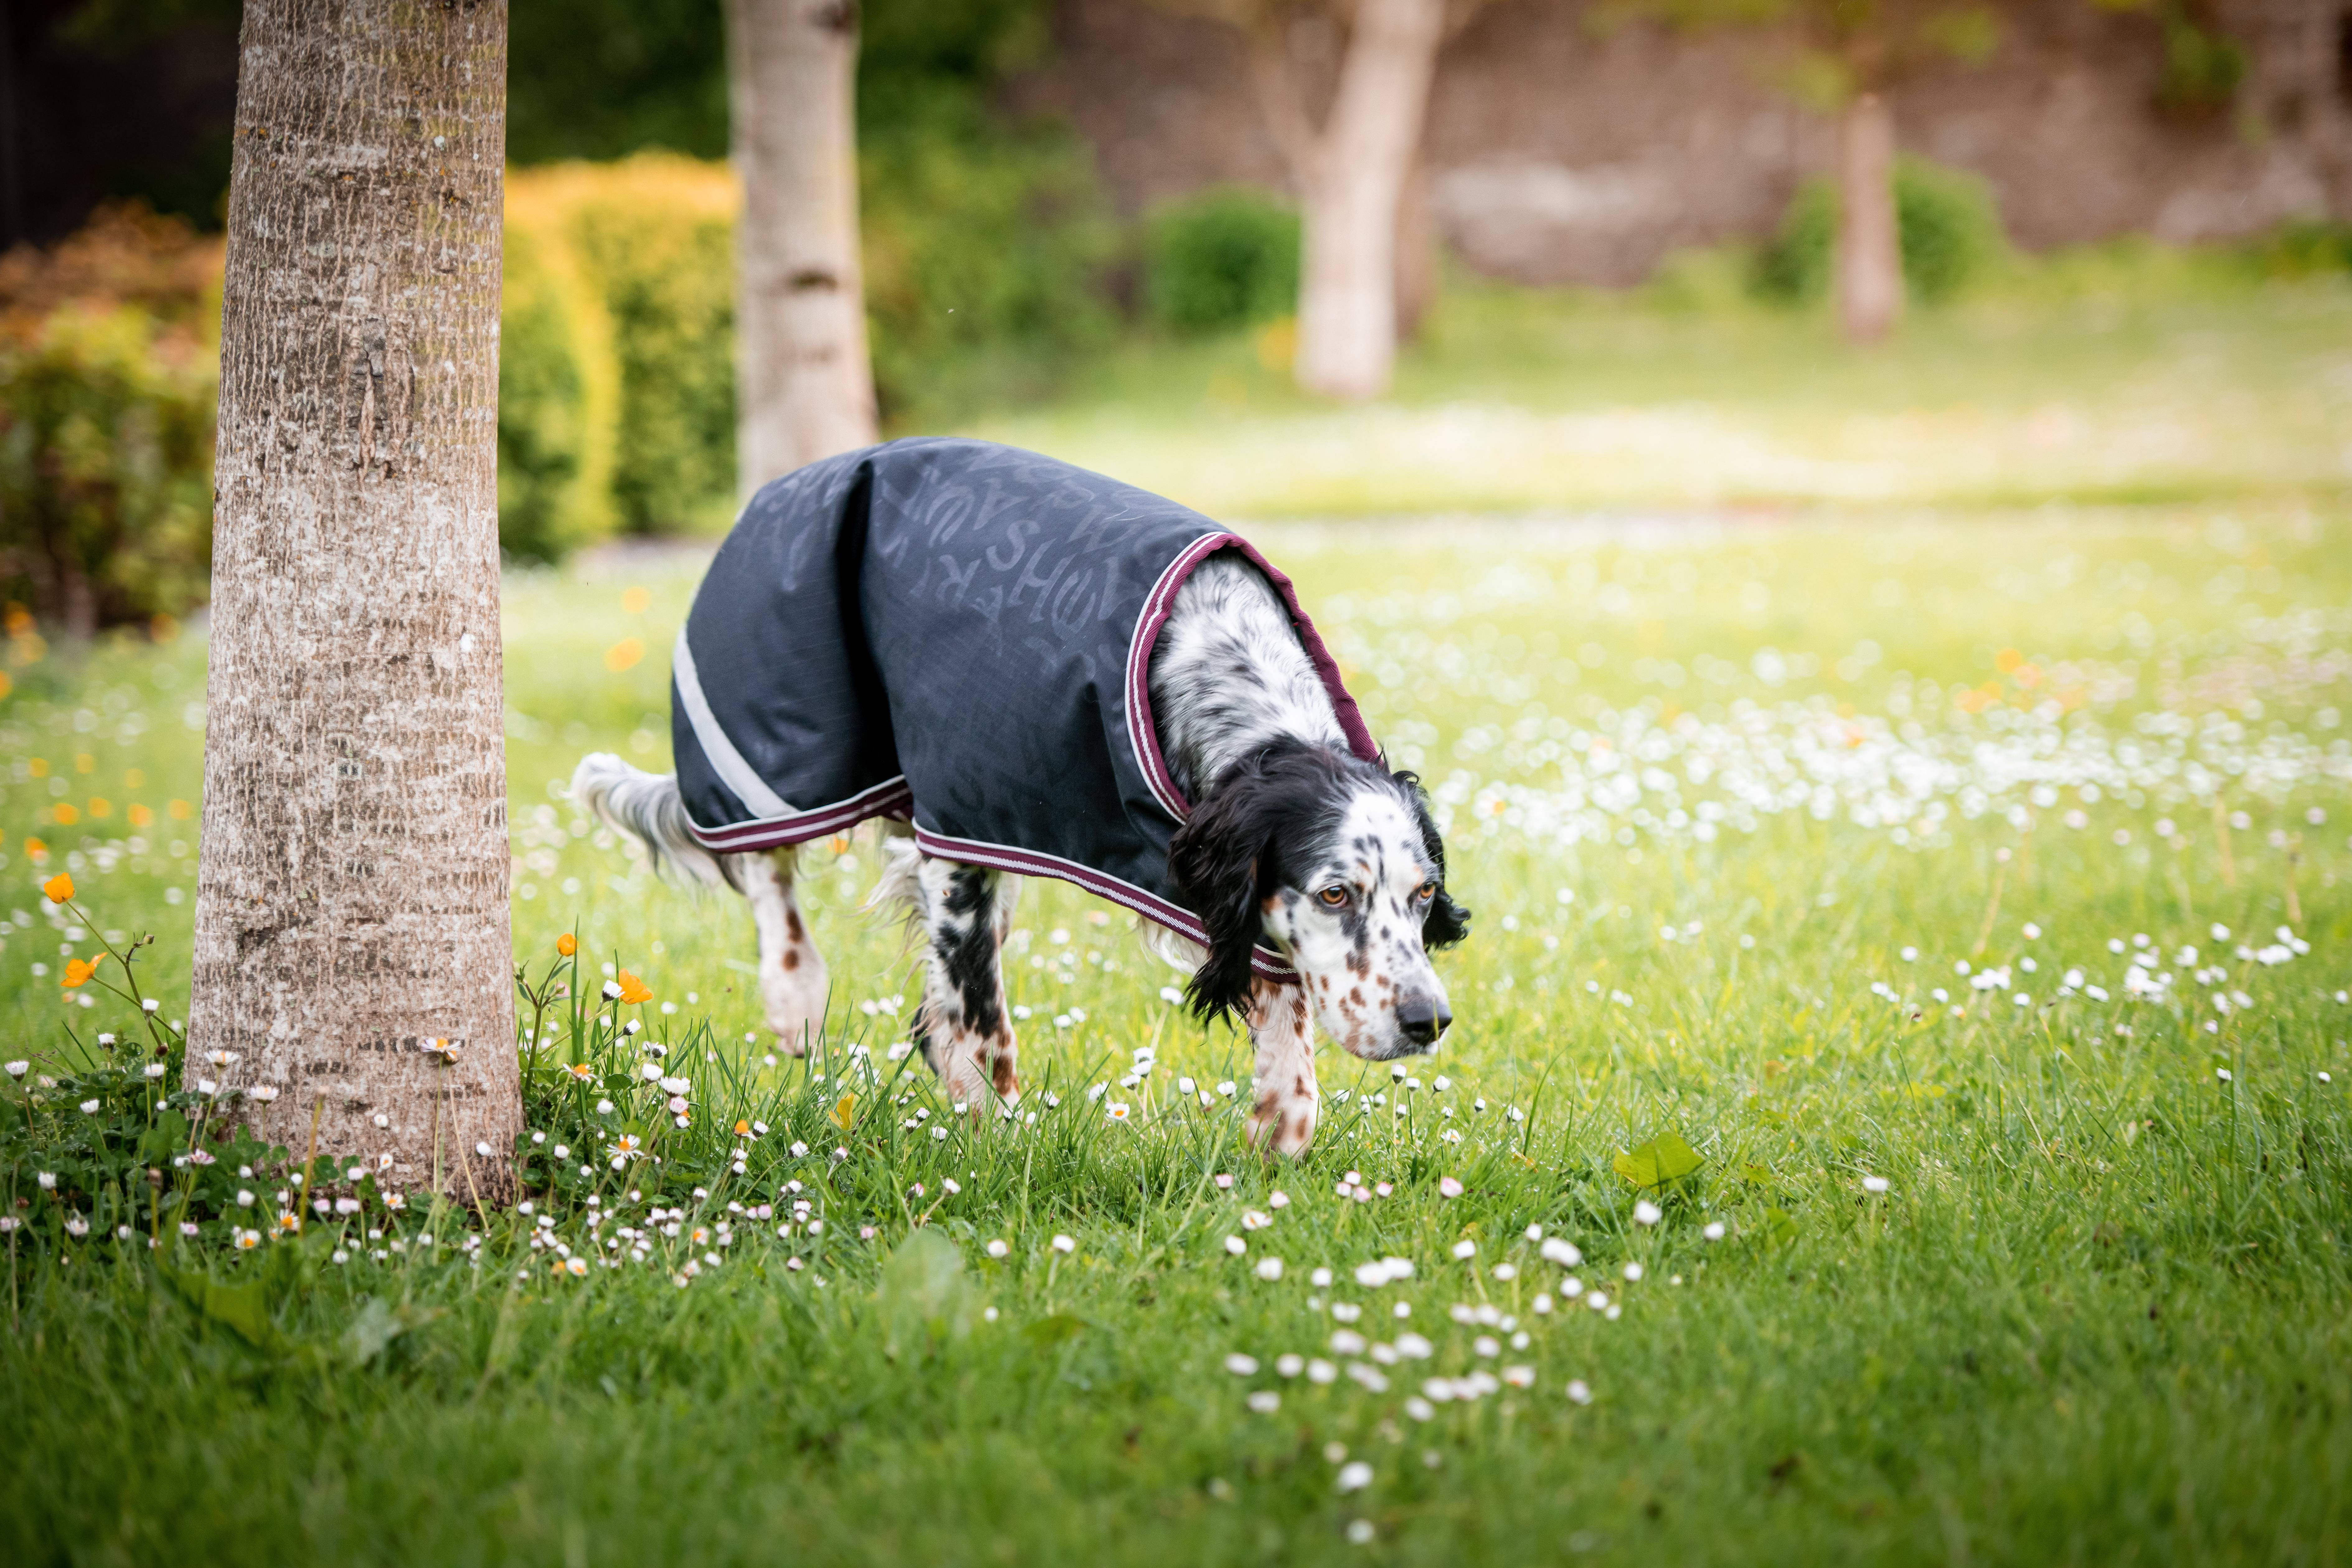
374,1327
244,1307
163,1140
1663,1159
290,1263
1047,1332
925,1295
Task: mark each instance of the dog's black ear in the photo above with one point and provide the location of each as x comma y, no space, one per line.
1216,861
1447,922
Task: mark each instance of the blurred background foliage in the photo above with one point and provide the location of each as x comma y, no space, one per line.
1950,234
108,354
1000,277
603,78
1224,259
2202,65
989,252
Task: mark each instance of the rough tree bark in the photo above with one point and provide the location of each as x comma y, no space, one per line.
351,886
1869,257
804,384
1352,176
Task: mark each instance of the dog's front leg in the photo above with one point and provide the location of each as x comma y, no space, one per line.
1282,1028
792,982
965,1026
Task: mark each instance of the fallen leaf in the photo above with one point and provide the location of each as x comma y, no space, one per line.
1663,1159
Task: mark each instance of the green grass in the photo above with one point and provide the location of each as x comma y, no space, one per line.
1706,783
2094,378
2097,1316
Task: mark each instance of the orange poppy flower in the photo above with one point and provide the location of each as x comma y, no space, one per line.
78,973
633,990
565,945
58,888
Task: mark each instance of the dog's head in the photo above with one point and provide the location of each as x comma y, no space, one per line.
1339,861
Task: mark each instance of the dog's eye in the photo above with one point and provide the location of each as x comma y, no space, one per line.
1426,892
1333,897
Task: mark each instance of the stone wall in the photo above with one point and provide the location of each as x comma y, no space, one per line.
1560,151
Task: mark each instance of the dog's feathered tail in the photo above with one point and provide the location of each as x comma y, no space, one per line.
646,807
901,886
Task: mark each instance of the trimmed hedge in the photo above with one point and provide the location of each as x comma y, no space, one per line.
617,382
985,257
557,405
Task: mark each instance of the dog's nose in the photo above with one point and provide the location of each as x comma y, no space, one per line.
1422,1019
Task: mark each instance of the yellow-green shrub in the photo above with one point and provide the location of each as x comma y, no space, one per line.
557,401
617,394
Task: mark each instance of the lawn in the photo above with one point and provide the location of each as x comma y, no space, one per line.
2091,378
1838,1155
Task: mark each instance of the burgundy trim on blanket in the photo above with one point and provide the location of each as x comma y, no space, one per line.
1030,863
884,799
1144,735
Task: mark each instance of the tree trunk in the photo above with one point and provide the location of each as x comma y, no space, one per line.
1346,307
1416,253
351,885
1869,240
804,385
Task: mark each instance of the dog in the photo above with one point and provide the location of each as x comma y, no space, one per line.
1025,668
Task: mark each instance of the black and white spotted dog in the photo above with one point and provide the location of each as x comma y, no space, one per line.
1026,669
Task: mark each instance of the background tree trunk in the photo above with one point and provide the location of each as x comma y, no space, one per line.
351,890
1346,307
804,384
1869,264
1416,252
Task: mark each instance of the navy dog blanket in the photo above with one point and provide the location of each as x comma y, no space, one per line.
958,635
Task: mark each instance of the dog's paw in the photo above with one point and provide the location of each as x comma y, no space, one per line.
1002,1075
794,1005
1283,1124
